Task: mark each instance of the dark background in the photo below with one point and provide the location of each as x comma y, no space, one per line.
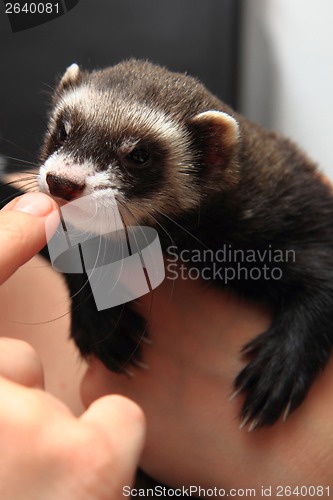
197,36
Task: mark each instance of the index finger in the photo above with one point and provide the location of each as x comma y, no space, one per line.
22,230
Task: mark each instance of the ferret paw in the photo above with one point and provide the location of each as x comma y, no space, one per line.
274,382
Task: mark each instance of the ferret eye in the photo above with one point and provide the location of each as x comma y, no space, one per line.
139,156
61,134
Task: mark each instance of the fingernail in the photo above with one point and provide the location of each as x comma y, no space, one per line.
34,204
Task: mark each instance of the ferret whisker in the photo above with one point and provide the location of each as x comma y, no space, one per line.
40,322
8,199
172,242
123,205
16,146
149,215
182,227
50,88
88,274
12,196
19,160
21,179
221,187
11,171
51,135
142,336
28,182
163,228
29,187
86,282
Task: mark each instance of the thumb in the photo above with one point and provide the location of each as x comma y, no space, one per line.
22,230
123,425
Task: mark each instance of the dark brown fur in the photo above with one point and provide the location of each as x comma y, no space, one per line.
257,192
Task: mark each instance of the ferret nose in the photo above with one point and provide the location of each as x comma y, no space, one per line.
63,188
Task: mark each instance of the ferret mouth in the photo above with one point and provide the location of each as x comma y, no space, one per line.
61,201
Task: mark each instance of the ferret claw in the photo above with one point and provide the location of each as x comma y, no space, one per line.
253,425
140,364
235,394
244,422
128,372
286,412
146,340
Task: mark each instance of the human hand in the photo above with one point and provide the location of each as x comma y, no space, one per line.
46,452
197,333
22,230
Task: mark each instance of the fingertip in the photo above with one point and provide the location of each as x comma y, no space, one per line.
130,408
22,232
121,418
38,204
120,408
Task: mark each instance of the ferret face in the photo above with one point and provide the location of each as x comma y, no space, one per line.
106,141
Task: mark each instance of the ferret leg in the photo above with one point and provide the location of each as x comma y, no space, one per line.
285,360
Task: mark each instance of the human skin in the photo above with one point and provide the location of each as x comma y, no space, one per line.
46,452
193,434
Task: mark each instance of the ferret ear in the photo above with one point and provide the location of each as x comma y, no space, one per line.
216,135
71,78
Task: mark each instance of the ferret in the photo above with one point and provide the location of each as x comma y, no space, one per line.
178,159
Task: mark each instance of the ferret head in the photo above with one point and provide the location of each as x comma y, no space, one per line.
157,142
